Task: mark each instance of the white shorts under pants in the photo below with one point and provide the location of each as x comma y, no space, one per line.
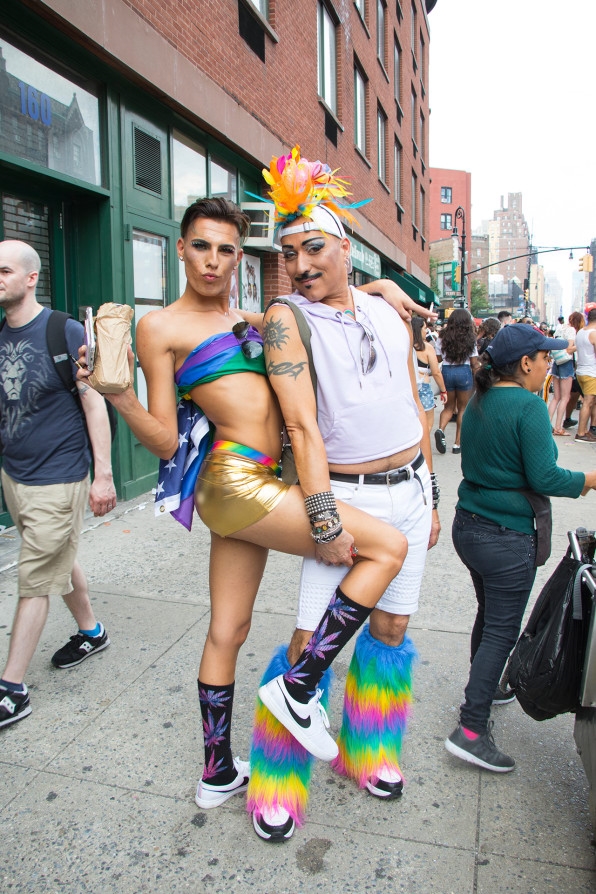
401,505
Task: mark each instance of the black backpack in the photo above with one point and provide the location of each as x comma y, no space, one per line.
58,351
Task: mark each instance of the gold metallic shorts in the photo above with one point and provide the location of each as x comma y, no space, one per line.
234,492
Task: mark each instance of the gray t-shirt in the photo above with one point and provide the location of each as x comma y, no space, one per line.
42,428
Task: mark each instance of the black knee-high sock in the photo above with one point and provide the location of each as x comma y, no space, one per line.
342,619
216,711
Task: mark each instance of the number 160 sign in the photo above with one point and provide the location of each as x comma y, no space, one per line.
35,105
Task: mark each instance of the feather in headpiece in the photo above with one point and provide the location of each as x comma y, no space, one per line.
298,186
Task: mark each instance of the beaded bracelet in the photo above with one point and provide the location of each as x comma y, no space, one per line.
320,502
436,490
328,537
328,517
325,525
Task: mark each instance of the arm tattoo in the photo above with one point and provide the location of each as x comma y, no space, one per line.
275,334
286,369
82,387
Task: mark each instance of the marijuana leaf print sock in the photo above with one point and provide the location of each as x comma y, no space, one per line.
216,711
342,619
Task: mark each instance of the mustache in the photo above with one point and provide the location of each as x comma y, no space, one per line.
303,276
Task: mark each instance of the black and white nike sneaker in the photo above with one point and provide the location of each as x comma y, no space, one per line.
273,824
390,785
308,722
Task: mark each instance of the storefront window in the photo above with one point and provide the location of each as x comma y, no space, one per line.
223,180
190,173
46,118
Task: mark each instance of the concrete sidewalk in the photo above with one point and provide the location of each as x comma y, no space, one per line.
98,783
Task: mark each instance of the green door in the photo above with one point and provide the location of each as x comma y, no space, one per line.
40,224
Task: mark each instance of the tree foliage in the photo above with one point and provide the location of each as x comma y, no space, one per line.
434,281
479,305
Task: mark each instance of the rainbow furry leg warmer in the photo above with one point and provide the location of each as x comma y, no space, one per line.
377,702
280,767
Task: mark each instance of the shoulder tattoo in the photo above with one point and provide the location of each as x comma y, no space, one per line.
275,334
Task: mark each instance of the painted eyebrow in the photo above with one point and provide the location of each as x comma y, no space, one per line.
306,242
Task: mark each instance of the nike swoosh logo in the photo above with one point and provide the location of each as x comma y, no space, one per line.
304,722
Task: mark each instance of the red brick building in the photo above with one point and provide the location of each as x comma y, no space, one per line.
117,113
448,191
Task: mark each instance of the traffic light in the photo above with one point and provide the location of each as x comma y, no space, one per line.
457,273
527,294
586,264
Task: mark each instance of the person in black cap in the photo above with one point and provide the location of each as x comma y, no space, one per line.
507,450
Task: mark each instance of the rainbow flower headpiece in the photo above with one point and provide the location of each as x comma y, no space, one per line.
299,187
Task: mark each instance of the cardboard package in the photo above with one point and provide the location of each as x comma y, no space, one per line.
111,372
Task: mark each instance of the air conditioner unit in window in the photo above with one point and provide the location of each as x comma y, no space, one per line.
262,225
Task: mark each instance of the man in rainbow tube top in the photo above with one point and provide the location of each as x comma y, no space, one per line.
364,434
219,441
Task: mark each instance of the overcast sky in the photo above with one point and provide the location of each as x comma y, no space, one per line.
511,96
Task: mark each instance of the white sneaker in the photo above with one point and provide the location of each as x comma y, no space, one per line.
389,785
213,795
307,723
274,824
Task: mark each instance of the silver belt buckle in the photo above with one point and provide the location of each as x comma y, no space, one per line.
406,469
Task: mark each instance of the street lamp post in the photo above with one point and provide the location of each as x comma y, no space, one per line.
460,214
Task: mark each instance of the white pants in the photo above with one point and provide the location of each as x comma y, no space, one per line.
401,505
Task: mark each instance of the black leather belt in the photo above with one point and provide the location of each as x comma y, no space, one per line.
393,476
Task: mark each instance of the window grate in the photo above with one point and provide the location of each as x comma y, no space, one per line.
147,150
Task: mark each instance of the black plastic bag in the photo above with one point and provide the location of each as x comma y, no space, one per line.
545,667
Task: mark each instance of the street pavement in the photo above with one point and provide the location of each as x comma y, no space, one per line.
98,783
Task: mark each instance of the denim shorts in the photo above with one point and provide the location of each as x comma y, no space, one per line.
457,378
563,370
427,398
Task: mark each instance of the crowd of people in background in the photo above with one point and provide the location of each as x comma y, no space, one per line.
450,359
503,371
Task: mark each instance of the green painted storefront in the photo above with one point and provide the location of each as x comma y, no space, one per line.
95,174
